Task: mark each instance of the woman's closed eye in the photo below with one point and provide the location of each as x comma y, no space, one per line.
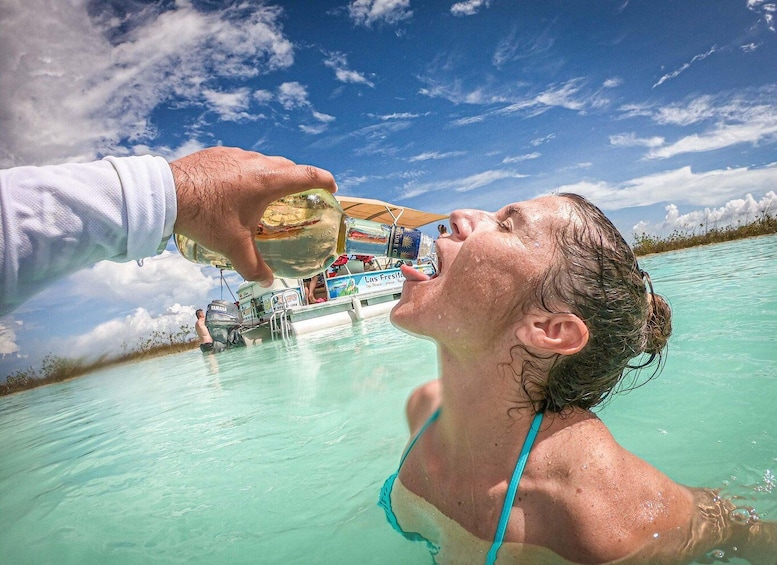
505,225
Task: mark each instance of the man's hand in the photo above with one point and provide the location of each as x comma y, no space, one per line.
223,192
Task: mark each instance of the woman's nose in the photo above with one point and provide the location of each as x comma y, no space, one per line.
463,222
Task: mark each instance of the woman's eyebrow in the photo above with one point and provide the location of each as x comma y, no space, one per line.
516,212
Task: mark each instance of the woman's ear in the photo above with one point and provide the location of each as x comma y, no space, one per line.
565,334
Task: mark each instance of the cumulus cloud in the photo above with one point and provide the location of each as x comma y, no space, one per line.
8,345
338,62
162,280
89,84
293,95
263,96
683,186
469,7
231,106
368,12
112,338
733,212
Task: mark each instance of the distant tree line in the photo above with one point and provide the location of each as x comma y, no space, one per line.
703,234
55,369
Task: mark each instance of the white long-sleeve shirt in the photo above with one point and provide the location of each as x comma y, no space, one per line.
55,220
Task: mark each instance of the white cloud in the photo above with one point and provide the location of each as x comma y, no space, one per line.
520,158
631,140
465,184
8,345
764,9
230,106
171,153
540,140
468,120
368,12
733,212
71,94
293,95
691,112
569,95
469,7
718,138
564,96
685,67
456,93
263,96
710,188
162,280
397,116
324,118
612,82
115,336
338,62
517,46
314,129
748,116
435,155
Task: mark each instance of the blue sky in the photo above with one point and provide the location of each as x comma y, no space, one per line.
663,113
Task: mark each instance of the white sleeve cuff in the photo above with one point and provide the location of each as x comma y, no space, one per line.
149,195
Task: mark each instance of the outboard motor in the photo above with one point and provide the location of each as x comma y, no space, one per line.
223,322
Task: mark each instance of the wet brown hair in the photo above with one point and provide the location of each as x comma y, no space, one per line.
595,275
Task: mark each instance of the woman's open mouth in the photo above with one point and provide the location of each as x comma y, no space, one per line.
416,275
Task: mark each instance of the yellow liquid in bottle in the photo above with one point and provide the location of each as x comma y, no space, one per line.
301,235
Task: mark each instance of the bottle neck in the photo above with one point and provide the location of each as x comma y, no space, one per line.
363,237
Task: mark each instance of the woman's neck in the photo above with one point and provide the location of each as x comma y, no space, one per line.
484,408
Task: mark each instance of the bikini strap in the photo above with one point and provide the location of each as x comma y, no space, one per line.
428,422
513,488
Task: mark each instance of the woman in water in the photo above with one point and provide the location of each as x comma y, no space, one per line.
538,311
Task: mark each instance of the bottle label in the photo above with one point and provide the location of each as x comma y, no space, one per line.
404,243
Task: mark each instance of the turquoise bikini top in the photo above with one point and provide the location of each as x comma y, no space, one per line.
385,493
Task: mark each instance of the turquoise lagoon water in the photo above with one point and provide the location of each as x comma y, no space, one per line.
276,453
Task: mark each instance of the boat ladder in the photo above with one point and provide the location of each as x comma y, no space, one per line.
280,324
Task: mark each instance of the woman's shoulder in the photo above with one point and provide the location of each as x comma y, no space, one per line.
613,501
422,403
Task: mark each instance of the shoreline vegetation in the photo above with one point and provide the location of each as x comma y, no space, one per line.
57,369
645,244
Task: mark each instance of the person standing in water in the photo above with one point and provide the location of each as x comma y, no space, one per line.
206,341
538,311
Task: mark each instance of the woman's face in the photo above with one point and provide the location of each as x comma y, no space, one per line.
488,268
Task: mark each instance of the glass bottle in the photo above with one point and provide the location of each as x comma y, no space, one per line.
302,234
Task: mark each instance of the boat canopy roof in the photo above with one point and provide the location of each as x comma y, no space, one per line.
386,213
